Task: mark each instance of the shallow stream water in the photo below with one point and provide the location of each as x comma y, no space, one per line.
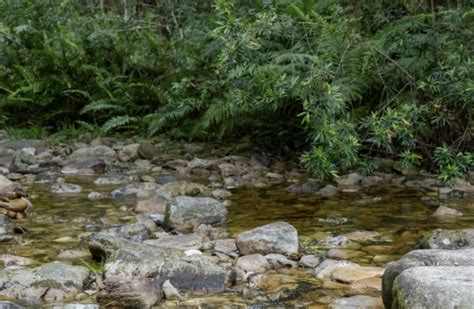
398,214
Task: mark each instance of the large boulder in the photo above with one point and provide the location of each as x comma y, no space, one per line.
434,287
50,282
448,239
185,213
279,237
433,257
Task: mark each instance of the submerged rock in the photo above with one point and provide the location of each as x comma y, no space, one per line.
183,188
444,211
66,188
50,282
328,267
133,189
357,302
434,287
279,237
186,213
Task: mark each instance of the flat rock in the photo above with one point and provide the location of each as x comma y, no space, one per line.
185,213
133,189
327,267
50,282
350,274
183,188
103,152
373,284
86,167
310,261
254,263
9,260
184,242
435,287
279,237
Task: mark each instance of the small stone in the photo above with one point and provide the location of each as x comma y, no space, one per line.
349,274
94,195
357,302
328,191
10,260
66,188
444,211
310,261
170,292
254,263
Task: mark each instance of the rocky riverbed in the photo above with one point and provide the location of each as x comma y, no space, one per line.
126,223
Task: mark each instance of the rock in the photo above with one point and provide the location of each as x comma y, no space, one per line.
226,246
130,292
155,205
362,236
340,241
309,261
373,284
334,220
103,152
86,167
183,188
195,273
46,177
163,180
170,292
447,239
143,165
309,187
52,282
133,189
10,305
444,211
134,232
352,273
328,191
10,240
430,257
73,255
94,196
279,260
128,153
186,213
231,170
66,188
349,181
147,151
111,180
344,254
10,260
5,182
192,252
274,178
327,267
254,263
221,194
279,237
205,164
181,242
357,302
434,287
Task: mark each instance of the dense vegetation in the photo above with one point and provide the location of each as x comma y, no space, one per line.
345,81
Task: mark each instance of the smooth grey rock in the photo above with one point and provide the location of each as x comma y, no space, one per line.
111,180
437,287
9,260
128,153
309,187
162,180
5,182
253,263
49,282
66,188
279,237
170,292
155,204
94,196
46,177
328,191
130,292
226,246
185,213
432,257
279,260
9,305
357,302
444,211
310,261
221,194
448,239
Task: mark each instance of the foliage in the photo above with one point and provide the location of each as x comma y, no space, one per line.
343,80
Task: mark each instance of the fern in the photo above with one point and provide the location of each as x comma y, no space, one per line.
117,122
